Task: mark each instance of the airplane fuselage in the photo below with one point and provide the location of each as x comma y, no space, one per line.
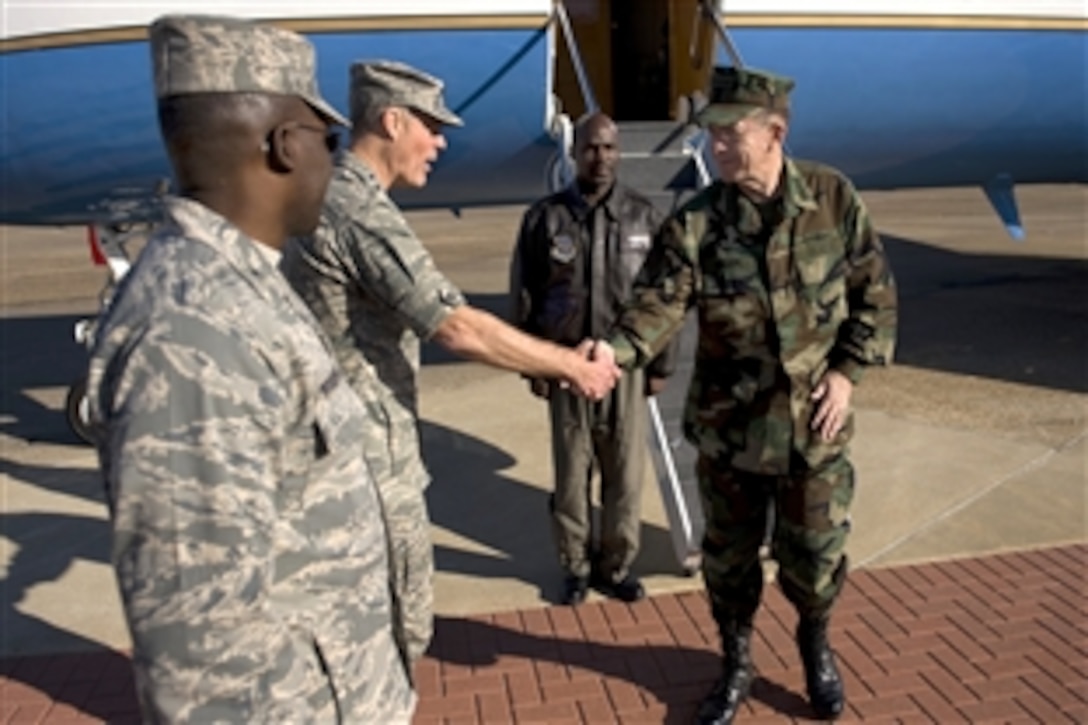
936,94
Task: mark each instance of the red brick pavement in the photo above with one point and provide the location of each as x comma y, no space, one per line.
1000,638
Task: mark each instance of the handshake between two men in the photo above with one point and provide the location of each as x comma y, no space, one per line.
593,375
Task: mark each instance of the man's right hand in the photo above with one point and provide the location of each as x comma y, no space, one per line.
596,372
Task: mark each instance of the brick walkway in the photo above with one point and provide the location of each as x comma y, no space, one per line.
994,639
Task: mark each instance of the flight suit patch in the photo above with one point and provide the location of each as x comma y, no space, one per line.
563,249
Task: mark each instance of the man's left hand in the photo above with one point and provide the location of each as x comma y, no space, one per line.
654,386
833,393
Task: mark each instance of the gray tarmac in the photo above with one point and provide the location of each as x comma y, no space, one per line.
974,442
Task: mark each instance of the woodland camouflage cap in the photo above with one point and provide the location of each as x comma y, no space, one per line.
737,92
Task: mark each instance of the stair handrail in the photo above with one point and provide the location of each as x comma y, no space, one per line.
707,10
696,146
696,149
586,88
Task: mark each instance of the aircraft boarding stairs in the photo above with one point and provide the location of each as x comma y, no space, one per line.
658,159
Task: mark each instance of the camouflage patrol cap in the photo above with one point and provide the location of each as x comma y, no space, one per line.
737,92
382,83
214,54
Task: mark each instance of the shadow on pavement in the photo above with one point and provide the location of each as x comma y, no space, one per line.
47,545
1016,318
35,353
472,498
678,677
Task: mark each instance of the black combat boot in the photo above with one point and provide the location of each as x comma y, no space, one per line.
723,702
822,679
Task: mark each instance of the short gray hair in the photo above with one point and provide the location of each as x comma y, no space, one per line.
367,109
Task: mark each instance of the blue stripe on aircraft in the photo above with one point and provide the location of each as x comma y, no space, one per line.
891,107
82,120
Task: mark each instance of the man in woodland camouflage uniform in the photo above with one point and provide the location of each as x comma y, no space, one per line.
248,540
794,297
377,292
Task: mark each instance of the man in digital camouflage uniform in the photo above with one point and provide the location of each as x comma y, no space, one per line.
377,292
795,298
248,540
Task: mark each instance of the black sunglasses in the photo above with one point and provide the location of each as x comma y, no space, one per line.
332,137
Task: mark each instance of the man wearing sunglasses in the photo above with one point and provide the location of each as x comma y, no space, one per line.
248,542
377,293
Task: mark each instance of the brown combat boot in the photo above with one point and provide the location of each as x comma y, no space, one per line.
822,679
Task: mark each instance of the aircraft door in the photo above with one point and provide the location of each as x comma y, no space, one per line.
639,56
656,59
640,60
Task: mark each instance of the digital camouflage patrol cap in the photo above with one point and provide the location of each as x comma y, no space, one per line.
384,83
213,54
737,92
